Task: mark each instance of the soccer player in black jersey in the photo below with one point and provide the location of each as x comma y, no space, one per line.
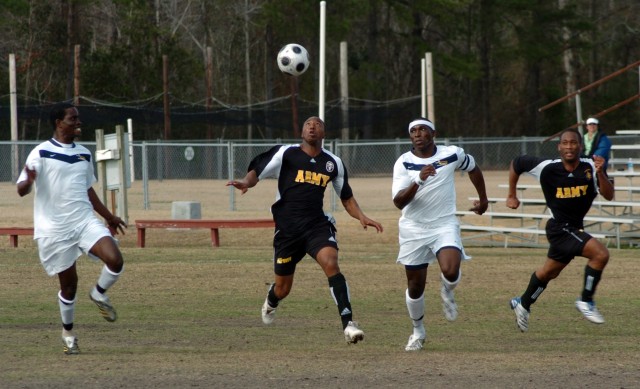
302,227
569,184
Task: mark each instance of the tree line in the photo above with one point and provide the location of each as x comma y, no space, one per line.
495,62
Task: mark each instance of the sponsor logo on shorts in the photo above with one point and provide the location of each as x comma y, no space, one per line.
281,261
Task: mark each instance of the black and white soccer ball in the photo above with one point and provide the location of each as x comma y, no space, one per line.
293,59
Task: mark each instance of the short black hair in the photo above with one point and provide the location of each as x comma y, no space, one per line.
574,130
58,111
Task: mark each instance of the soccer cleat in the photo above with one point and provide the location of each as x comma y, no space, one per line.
449,306
353,333
414,344
522,315
105,307
268,312
70,344
589,311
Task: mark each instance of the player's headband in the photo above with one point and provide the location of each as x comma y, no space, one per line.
422,122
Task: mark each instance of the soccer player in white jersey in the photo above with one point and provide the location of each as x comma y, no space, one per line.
65,225
424,189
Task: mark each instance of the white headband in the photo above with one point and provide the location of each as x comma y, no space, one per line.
421,122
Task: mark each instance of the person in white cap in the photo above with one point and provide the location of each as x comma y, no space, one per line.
424,189
596,142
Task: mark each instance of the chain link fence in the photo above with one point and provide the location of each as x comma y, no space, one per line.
157,161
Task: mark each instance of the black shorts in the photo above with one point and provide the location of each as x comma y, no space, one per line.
565,241
289,249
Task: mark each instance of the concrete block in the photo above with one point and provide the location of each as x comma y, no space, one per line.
186,210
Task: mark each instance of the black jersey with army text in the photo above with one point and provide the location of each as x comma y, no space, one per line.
302,181
569,195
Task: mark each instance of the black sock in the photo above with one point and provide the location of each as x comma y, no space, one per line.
591,279
535,288
340,292
67,327
272,298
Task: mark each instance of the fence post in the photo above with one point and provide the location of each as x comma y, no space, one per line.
145,175
231,174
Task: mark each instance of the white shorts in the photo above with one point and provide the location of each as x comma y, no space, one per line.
419,242
58,253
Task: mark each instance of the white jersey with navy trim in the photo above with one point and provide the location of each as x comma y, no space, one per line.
64,173
437,197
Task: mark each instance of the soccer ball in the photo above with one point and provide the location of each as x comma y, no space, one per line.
293,59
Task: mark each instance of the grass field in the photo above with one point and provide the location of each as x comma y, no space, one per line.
189,315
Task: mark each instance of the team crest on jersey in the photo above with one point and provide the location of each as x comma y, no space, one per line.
440,163
81,157
587,174
330,166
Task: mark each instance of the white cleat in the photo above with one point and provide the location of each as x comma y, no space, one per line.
415,343
522,315
104,305
589,311
353,333
268,312
70,342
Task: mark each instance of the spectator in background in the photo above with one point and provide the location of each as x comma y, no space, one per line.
596,142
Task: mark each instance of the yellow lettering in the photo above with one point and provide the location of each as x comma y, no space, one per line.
316,178
575,191
570,192
312,178
281,261
559,193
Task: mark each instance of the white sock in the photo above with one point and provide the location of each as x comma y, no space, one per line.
416,314
451,285
108,278
67,309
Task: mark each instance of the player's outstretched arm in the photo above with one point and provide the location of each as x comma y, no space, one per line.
249,181
353,209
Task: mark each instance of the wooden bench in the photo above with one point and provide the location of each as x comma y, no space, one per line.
14,232
213,225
